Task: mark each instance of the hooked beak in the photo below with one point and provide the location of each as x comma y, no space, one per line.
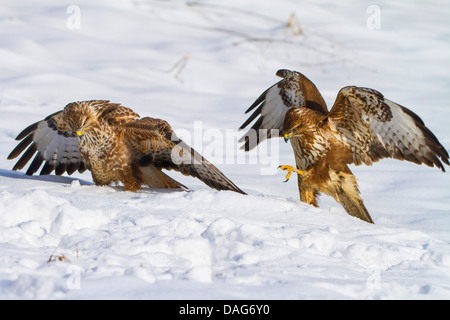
287,137
80,133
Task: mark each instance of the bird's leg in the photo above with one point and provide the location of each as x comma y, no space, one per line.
290,169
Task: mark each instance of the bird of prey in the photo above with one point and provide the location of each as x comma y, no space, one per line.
362,127
115,144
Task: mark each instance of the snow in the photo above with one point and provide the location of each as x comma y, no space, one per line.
199,65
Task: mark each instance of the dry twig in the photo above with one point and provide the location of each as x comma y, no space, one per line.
61,257
179,66
294,25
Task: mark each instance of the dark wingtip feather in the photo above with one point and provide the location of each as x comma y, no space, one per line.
47,169
34,166
72,167
60,169
21,146
258,101
252,117
283,73
223,184
31,128
432,141
82,168
25,157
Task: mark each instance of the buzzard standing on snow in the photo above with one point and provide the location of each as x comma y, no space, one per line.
361,128
115,144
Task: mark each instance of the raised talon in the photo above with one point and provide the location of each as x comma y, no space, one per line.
288,176
289,169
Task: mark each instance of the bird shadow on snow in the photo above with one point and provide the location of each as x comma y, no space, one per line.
69,180
49,178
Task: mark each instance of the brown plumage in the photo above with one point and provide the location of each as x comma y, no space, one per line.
361,128
115,144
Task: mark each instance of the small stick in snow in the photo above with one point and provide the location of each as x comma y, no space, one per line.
61,257
179,66
294,25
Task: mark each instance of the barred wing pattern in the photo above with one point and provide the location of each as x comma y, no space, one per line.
115,144
293,91
157,145
375,128
361,128
51,145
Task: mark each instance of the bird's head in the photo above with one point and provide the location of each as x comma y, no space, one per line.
80,118
288,134
293,123
86,128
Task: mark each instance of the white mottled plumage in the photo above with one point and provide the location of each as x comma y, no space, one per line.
56,147
115,144
361,128
273,105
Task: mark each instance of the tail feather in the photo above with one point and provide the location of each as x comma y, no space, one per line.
344,189
155,178
354,207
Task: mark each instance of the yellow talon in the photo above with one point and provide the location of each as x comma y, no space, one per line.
290,169
288,176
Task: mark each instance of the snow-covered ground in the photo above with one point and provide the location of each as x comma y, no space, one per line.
199,65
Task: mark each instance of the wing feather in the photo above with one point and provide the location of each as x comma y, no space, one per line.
293,91
374,128
56,148
157,145
21,146
26,156
269,118
35,164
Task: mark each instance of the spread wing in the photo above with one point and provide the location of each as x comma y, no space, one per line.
156,144
374,128
50,143
294,90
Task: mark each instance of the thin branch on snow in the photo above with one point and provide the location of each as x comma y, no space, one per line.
179,66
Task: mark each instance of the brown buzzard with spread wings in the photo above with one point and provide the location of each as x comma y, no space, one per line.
361,128
115,144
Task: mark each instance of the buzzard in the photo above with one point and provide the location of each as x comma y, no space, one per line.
115,144
361,128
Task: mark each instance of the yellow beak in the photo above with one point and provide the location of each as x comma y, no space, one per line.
287,137
79,133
